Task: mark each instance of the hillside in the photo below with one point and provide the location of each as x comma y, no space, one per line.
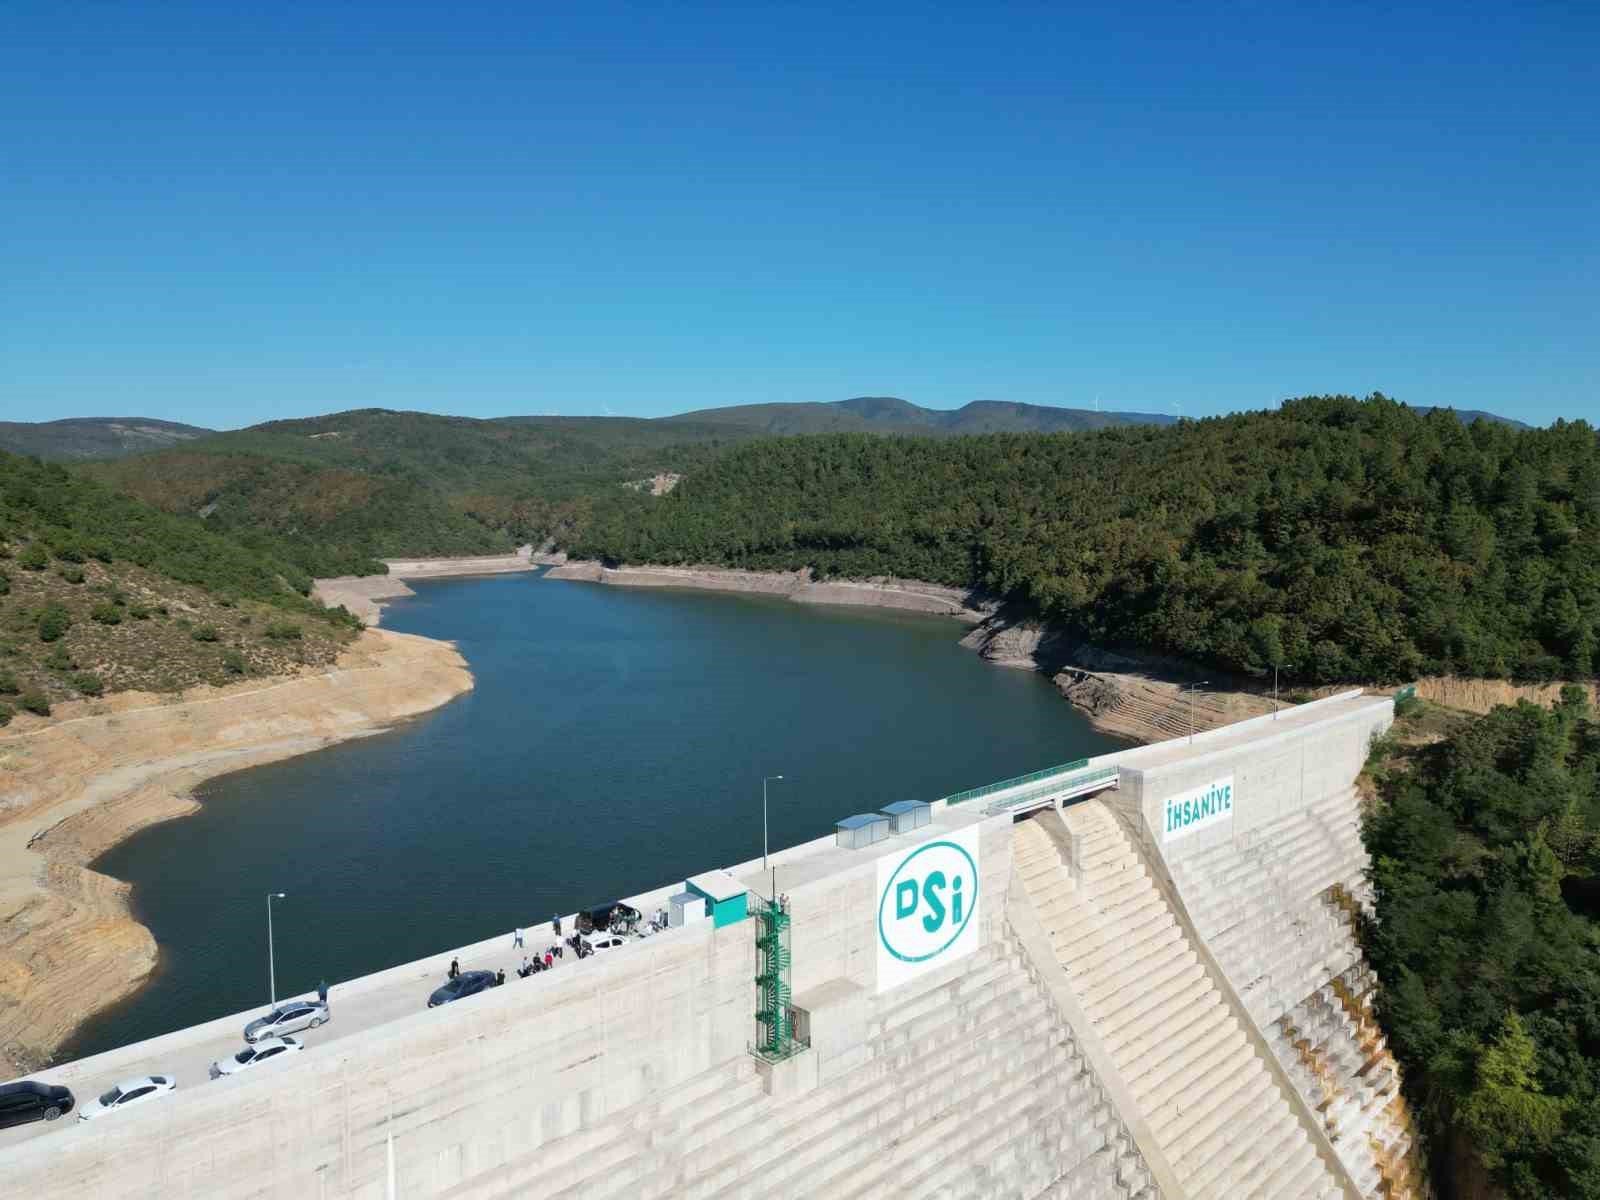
100,593
1343,539
335,493
888,414
1485,843
93,437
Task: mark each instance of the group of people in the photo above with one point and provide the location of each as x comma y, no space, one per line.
539,962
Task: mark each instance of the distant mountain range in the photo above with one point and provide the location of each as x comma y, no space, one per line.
94,437
889,414
81,438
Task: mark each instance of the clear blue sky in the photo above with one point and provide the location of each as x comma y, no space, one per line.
223,213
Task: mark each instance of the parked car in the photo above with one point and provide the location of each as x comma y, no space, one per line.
468,983
265,1050
126,1094
599,943
289,1017
28,1101
617,916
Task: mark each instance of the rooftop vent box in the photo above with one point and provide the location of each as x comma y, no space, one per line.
861,830
906,815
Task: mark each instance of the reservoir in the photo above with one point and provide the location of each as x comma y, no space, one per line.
616,740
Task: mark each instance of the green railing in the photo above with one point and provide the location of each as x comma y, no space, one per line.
991,788
1082,779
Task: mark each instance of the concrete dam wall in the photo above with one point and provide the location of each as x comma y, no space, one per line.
1011,999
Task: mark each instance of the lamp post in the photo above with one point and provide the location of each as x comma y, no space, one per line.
272,965
765,780
1191,689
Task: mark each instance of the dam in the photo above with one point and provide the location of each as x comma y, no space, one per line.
1132,976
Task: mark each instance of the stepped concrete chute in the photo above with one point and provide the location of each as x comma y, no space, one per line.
1212,1103
986,1007
1270,886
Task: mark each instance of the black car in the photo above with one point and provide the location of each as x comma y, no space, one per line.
29,1101
468,983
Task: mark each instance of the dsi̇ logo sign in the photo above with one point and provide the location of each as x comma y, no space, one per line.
1202,807
927,907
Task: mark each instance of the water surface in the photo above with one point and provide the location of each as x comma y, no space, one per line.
615,741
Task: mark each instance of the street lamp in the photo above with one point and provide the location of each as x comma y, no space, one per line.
272,965
1191,690
766,780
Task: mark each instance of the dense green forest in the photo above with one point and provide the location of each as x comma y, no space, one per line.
46,509
1486,866
336,493
99,593
1342,539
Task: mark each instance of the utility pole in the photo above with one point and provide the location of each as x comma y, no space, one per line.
767,779
272,964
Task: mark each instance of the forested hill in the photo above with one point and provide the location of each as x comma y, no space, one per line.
1486,868
334,493
100,593
1346,539
77,438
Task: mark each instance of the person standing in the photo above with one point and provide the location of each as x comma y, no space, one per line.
516,938
555,923
322,992
455,967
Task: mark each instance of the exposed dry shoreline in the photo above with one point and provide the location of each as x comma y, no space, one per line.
71,789
364,594
1139,699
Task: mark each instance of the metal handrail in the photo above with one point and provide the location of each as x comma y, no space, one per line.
990,789
1056,785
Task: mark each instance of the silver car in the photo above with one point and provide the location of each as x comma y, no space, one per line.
289,1017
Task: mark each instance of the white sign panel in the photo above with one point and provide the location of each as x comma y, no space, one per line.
928,898
1197,809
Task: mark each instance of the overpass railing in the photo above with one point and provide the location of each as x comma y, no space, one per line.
1060,788
990,789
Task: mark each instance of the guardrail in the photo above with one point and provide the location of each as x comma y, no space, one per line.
1084,780
991,788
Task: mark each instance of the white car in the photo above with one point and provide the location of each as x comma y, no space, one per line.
265,1050
599,943
127,1093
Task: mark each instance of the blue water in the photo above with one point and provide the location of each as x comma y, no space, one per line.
615,741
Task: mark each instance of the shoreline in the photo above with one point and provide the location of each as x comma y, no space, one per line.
1141,699
69,944
364,594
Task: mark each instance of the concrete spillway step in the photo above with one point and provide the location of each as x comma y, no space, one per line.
1331,1046
1263,909
1210,1100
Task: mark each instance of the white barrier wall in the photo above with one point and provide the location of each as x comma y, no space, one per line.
1273,773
